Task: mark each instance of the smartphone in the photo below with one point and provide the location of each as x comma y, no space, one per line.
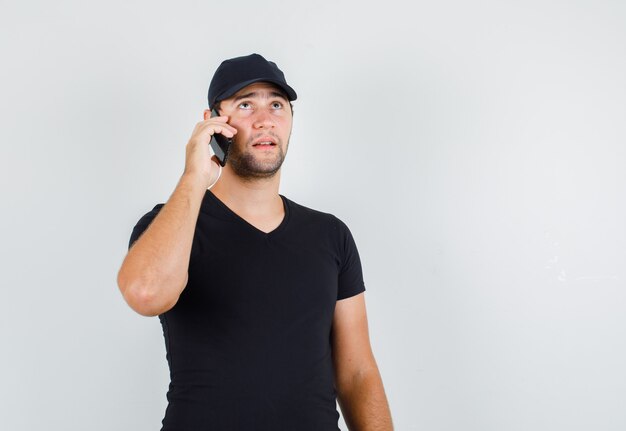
220,143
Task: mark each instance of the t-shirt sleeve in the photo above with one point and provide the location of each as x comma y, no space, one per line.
143,224
350,272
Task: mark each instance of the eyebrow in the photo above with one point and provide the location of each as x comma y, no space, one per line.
255,94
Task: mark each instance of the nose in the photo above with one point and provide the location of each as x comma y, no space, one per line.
263,120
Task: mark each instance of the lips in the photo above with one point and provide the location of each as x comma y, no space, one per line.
264,141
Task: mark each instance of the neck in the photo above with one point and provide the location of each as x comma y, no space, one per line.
255,197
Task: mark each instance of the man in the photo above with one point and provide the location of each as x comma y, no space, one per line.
261,299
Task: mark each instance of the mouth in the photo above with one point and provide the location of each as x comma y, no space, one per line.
264,142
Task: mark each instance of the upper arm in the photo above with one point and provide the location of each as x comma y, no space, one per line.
352,352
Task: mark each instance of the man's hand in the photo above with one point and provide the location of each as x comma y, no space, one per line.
198,161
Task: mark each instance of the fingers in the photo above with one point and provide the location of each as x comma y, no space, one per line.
199,160
228,131
215,125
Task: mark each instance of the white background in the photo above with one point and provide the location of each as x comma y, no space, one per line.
475,149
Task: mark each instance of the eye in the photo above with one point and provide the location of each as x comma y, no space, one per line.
244,105
277,105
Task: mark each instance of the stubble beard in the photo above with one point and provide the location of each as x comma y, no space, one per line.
248,167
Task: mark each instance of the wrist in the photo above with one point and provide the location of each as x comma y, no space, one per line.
195,181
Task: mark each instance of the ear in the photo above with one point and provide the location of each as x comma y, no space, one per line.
207,114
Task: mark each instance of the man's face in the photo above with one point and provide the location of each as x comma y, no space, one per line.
262,116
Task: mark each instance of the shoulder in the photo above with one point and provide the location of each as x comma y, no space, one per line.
143,223
153,212
147,218
309,215
322,225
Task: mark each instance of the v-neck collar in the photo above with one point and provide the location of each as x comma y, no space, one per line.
247,224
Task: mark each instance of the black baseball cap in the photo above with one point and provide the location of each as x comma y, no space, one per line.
236,73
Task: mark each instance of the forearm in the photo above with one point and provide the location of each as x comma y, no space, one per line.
154,272
364,404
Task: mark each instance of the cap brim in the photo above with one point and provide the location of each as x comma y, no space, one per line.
291,94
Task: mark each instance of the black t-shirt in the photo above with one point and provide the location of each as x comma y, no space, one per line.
248,342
